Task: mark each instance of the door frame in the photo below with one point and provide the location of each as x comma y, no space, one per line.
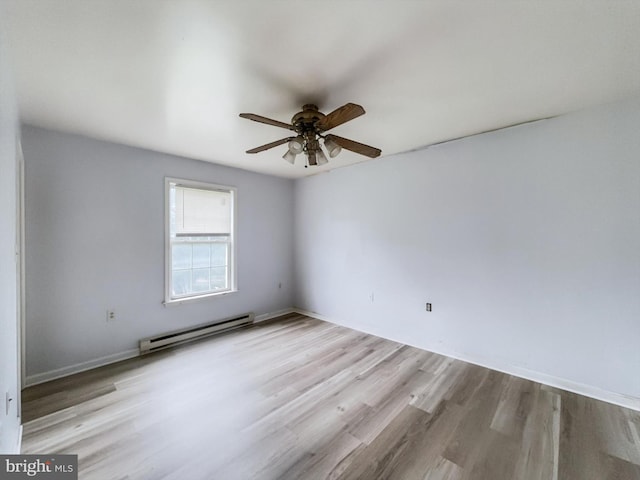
20,272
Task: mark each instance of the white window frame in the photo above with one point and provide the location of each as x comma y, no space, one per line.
233,285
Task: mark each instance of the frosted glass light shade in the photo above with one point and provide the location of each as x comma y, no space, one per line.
332,147
289,157
321,158
296,145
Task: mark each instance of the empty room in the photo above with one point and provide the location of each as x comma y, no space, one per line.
365,239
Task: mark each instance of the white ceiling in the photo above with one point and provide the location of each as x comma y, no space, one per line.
172,76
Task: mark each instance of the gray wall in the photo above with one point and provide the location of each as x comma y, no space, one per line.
526,241
95,241
9,423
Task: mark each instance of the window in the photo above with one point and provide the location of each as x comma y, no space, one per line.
200,249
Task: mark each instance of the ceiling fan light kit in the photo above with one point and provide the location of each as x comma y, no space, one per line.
332,147
310,125
296,145
321,157
289,156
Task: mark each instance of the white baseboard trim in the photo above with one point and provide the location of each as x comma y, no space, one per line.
269,316
619,399
319,316
38,378
79,367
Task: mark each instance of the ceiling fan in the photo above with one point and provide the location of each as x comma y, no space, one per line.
310,125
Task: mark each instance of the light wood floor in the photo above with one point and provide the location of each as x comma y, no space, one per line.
303,399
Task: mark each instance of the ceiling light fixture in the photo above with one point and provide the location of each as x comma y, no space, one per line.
332,147
296,145
290,156
320,157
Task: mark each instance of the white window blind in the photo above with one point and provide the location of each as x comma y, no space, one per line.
201,212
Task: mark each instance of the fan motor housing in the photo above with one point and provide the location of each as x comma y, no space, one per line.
307,118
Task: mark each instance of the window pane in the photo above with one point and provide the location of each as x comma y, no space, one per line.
181,282
180,256
201,255
200,232
219,278
200,280
219,254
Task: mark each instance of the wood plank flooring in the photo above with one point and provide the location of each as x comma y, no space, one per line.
298,398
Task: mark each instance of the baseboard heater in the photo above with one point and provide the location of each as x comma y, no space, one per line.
169,339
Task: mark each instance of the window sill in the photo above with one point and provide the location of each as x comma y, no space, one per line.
180,301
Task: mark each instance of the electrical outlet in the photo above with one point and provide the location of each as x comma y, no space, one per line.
111,315
428,307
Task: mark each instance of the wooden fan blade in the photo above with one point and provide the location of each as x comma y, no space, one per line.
356,147
339,116
270,145
268,121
